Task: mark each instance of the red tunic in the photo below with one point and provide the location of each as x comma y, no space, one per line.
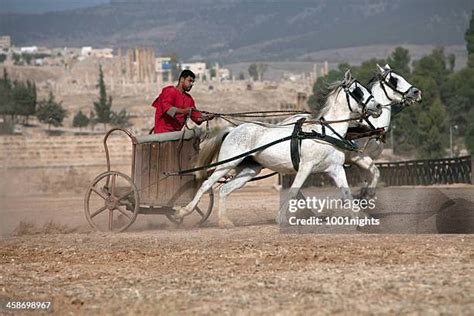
170,96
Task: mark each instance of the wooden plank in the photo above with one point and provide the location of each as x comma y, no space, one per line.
145,173
153,190
138,170
161,188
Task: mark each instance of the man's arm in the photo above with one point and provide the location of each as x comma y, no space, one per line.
173,110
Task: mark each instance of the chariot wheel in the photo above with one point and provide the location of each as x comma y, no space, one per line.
111,202
200,213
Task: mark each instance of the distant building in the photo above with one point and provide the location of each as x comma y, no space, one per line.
5,42
199,69
224,74
86,51
102,53
29,49
163,68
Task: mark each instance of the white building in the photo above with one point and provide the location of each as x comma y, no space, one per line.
199,69
86,51
5,42
102,53
29,49
163,68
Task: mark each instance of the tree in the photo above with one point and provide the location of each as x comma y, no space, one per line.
103,106
253,72
121,119
80,120
256,71
367,69
399,61
16,58
433,131
434,66
409,132
51,112
6,99
469,138
261,68
459,95
320,87
469,37
27,58
24,98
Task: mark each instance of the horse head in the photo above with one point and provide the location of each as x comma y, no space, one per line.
365,101
395,87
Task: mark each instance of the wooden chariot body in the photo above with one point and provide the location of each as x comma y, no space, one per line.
113,200
156,154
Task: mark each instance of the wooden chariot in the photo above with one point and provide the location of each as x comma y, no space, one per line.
114,200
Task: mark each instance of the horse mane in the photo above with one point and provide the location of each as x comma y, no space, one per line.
377,77
328,90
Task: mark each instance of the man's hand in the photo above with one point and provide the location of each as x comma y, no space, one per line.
208,117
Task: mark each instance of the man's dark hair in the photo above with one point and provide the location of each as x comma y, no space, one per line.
186,73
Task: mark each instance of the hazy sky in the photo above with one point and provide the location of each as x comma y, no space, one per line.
41,6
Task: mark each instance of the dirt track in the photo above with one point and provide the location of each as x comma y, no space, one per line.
157,268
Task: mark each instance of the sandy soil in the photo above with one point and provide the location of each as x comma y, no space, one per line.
156,268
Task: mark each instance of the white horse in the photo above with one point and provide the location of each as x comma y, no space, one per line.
388,88
346,99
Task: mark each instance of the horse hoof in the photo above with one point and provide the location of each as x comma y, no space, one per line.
225,223
178,213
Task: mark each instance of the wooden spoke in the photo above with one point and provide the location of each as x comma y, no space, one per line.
199,211
111,219
98,193
114,180
123,200
100,210
123,212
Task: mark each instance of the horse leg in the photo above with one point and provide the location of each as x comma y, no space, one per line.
366,164
244,174
206,186
338,174
303,173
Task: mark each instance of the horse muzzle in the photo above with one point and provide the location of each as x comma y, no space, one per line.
413,95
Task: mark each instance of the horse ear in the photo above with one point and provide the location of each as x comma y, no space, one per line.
347,76
380,69
387,67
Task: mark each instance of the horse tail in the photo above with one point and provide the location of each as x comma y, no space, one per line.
209,150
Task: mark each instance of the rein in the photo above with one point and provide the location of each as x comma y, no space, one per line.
257,113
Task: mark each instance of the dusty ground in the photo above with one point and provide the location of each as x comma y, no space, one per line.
156,268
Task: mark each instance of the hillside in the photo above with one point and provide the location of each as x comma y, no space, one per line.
242,30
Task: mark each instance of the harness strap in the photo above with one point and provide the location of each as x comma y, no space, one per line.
243,155
384,90
295,144
341,143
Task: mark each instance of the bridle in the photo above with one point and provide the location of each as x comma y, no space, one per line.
357,98
383,82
